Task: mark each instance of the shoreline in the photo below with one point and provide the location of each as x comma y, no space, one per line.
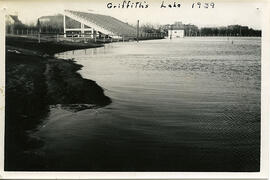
34,81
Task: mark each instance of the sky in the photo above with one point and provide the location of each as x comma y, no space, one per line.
248,13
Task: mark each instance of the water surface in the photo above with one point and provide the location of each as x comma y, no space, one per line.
189,104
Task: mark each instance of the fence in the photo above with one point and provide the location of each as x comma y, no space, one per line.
80,37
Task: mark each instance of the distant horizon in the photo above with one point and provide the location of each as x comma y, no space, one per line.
225,13
147,23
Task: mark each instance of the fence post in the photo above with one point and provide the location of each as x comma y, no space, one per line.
38,37
27,32
17,31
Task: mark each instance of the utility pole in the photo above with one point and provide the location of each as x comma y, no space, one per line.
171,31
240,31
138,30
64,25
39,30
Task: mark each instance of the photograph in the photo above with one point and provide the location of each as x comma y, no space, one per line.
133,86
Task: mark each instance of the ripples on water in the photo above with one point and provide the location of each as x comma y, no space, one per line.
190,104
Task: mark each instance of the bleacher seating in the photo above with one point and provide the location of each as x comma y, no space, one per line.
107,22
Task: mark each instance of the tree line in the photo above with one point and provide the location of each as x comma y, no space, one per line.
232,30
193,30
56,26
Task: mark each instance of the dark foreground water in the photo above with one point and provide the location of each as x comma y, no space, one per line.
177,105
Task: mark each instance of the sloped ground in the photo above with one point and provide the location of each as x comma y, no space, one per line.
35,80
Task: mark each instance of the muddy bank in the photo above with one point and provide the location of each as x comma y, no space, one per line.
35,80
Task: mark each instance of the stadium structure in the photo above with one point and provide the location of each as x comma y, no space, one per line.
81,24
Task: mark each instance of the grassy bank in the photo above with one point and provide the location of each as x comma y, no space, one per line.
35,80
48,47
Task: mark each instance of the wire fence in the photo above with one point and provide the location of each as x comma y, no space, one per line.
80,37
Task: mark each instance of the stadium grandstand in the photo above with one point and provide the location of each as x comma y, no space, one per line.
96,25
84,24
77,25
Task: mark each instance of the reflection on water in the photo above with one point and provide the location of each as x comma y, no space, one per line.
178,105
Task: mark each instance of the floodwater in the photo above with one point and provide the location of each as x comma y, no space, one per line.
189,104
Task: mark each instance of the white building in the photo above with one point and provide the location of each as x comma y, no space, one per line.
176,33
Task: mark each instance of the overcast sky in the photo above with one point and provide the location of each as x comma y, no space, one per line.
224,13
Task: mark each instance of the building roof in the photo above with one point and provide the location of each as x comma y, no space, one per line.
107,22
58,18
55,21
176,28
15,19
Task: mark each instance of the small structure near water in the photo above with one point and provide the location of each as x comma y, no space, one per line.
176,30
12,21
176,33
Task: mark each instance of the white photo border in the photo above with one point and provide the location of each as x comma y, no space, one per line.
265,116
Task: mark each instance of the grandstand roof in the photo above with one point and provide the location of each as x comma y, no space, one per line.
107,22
